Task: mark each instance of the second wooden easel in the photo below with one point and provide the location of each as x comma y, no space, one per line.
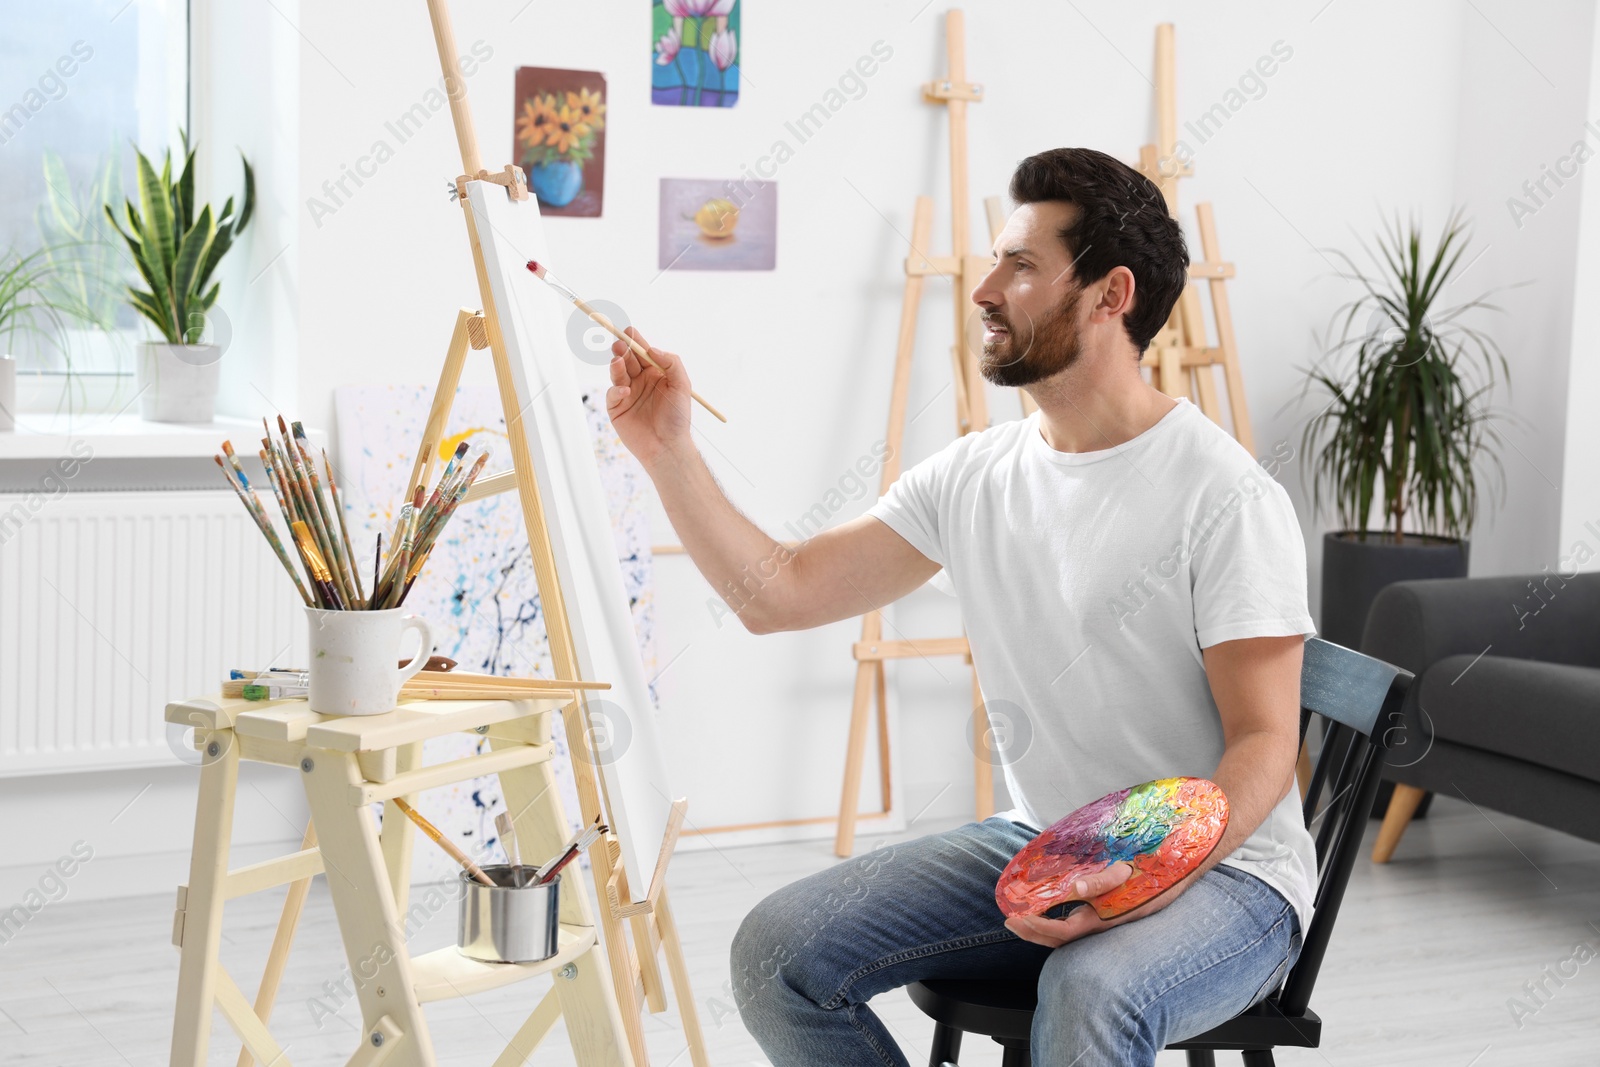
963,269
1181,362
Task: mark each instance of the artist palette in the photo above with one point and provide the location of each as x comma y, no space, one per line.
1164,829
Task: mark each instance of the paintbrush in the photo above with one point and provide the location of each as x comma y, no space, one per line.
570,853
259,516
610,327
443,842
508,838
344,530
499,681
311,513
272,480
338,560
317,565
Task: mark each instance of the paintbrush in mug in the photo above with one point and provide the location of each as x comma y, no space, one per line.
264,524
338,561
272,480
312,517
341,560
344,529
610,327
317,566
443,842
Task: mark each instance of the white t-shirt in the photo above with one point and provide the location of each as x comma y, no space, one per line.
1089,582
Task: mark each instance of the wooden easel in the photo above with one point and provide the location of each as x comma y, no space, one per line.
963,269
635,969
1181,362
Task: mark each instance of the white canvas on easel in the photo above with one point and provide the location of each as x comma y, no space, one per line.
639,802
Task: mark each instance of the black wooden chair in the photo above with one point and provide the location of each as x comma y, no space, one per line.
1360,700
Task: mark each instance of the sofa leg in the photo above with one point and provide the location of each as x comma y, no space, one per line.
1401,807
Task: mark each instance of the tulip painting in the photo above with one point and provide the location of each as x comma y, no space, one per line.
695,53
560,138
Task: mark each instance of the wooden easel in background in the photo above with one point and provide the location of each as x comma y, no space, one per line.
1181,362
963,268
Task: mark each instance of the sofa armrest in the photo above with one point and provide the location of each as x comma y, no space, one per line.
1545,617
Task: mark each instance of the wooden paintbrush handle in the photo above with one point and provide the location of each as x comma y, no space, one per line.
639,350
444,842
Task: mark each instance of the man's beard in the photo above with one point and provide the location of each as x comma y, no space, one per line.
1044,348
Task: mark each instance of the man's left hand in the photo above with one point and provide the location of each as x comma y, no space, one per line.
1053,933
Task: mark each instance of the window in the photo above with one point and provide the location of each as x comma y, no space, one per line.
81,83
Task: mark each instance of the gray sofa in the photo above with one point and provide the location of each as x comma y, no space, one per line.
1505,712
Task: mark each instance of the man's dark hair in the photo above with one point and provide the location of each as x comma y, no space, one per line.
1122,221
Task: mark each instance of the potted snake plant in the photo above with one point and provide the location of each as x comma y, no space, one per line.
176,252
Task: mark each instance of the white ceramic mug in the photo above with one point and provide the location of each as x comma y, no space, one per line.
353,657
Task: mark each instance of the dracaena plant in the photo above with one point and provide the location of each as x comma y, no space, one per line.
176,250
1406,420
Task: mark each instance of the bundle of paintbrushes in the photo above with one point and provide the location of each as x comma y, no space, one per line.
315,521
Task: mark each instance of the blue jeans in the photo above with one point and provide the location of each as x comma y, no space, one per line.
809,957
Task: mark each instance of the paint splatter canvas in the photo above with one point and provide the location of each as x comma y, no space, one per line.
718,225
478,592
696,57
560,138
1164,829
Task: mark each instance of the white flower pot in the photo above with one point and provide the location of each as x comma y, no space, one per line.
177,383
8,394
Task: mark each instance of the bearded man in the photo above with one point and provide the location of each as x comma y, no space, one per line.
1130,582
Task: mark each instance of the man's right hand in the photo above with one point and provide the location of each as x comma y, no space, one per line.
649,407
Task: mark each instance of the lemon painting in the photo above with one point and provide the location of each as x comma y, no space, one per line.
711,224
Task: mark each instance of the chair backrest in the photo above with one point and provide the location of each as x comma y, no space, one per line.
1360,698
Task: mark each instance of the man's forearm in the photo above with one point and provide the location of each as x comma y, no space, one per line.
743,564
1255,772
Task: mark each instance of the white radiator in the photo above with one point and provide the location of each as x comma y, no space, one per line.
113,604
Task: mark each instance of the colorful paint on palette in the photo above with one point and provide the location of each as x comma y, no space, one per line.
1164,829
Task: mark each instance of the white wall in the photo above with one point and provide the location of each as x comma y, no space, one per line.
1579,540
1362,118
1380,107
1524,101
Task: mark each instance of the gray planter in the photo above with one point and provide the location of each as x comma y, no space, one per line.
1353,571
177,383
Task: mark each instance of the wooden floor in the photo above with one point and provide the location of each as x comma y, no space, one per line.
1429,954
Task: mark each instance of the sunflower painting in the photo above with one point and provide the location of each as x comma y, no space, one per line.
560,138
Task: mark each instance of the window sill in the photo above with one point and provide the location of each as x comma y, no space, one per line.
44,436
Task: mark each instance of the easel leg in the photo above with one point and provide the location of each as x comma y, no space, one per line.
668,925
855,753
983,769
202,908
881,694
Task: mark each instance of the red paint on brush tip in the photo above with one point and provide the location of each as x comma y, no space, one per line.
533,265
